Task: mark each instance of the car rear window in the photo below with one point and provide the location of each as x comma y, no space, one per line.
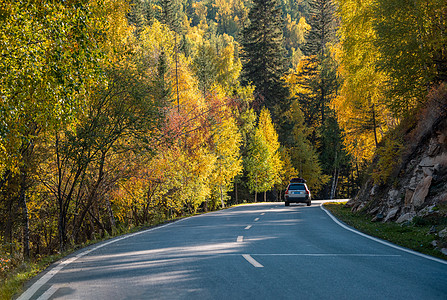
297,186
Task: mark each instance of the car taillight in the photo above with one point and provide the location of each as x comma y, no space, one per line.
307,191
287,191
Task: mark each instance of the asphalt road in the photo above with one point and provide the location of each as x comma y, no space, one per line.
261,251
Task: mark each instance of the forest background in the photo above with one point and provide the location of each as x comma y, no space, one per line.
116,114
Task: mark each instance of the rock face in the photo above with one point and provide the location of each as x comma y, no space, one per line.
421,184
421,192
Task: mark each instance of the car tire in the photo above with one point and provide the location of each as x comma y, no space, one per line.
309,203
286,203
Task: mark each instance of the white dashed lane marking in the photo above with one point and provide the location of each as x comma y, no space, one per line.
252,261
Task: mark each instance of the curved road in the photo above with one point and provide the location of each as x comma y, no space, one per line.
259,251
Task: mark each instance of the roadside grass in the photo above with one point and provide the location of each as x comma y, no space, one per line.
412,236
13,281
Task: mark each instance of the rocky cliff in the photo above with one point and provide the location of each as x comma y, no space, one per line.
417,189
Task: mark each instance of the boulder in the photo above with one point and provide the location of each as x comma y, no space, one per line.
430,162
418,176
377,218
350,203
373,190
408,217
434,147
427,211
421,192
393,197
374,210
433,230
391,214
443,233
358,208
408,195
444,251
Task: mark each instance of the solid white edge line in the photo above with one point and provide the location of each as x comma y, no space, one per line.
382,241
26,295
252,261
327,254
47,295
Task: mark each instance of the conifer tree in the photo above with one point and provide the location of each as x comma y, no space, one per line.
142,14
163,89
322,30
321,69
264,56
321,84
170,15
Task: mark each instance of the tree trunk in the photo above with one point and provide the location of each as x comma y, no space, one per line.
176,72
9,224
110,212
256,189
60,201
374,125
221,197
22,197
265,196
26,153
91,197
334,183
235,192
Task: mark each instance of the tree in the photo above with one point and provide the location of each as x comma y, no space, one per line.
303,154
411,39
258,165
264,56
322,27
322,76
264,164
265,125
319,77
49,61
170,15
226,147
294,33
204,66
162,82
361,107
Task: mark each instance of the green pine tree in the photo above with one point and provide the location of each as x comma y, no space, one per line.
321,84
263,56
321,70
170,14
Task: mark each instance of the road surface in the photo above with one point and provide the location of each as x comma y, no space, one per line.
260,251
